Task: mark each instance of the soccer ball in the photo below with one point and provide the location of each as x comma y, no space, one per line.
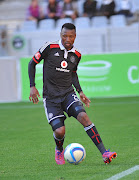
74,153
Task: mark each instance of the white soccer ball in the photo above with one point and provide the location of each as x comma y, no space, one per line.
74,153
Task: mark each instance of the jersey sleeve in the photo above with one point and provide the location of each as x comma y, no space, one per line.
75,80
79,58
42,53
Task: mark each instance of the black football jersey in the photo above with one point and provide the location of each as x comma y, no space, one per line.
58,66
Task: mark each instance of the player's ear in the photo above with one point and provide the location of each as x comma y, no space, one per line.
75,33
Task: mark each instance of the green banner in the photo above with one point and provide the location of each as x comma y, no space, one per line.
100,75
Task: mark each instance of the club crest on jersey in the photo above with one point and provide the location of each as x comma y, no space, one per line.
72,59
37,55
64,64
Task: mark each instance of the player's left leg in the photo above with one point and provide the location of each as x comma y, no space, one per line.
76,109
89,127
92,132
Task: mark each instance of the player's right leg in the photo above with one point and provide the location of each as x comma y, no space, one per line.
59,132
59,135
56,117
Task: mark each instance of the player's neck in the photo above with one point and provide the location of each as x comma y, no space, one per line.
69,48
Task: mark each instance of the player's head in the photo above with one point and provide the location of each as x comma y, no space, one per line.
68,35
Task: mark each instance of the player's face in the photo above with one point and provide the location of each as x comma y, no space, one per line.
68,37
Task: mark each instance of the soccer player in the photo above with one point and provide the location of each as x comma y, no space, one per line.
60,64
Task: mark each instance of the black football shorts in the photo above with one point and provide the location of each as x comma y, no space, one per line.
71,104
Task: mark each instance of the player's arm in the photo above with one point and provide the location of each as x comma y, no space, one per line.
34,94
75,82
43,52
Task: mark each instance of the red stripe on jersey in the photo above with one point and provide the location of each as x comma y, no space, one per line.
54,46
35,60
77,53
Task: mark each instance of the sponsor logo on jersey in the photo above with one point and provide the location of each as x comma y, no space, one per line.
64,64
37,55
72,59
64,70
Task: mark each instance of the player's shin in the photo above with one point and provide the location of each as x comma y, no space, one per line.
95,137
59,143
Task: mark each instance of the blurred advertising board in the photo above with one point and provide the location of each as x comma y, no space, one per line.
102,75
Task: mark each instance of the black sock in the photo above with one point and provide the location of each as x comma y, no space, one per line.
93,134
59,143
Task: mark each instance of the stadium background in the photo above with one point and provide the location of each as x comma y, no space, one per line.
20,38
109,75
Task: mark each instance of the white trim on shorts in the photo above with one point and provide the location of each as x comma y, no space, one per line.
71,104
56,117
45,108
49,120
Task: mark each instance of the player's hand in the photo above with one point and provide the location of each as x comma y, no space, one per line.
34,94
84,99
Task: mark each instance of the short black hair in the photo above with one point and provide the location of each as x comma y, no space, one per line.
68,26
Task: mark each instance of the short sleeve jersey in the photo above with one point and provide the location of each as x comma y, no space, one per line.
58,66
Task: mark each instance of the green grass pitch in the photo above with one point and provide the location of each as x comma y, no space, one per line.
27,145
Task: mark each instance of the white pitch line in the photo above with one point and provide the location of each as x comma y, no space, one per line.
124,173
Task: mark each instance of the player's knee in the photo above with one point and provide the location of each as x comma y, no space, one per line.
57,123
60,132
75,109
84,119
58,127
